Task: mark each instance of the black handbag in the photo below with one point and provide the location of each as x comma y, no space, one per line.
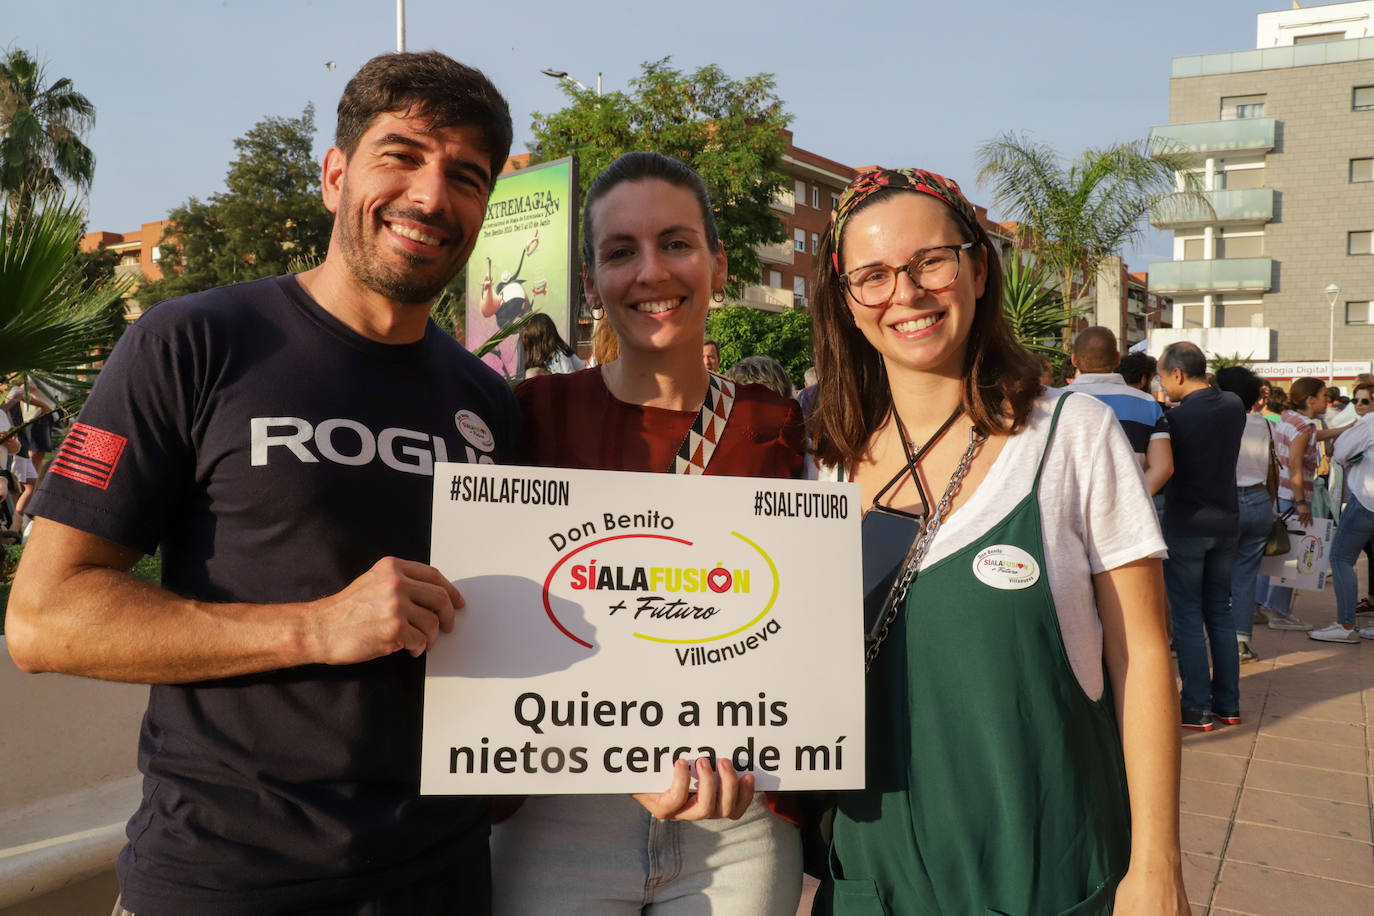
1278,542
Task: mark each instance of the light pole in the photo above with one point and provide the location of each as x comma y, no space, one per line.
1332,291
563,75
400,26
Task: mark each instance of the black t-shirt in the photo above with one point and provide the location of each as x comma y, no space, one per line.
274,455
1200,497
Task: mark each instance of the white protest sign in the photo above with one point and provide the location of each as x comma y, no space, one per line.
616,621
1308,560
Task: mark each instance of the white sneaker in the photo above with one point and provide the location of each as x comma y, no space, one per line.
1279,621
1366,632
1335,633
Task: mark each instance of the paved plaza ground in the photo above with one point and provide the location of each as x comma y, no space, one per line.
1276,812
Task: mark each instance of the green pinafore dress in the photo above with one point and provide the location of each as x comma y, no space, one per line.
995,785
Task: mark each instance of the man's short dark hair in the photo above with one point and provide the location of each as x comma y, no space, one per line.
1242,382
1136,368
430,85
1094,349
1184,355
708,342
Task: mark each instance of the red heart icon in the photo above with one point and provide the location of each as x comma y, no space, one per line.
719,579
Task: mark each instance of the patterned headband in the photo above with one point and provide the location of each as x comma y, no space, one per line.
868,183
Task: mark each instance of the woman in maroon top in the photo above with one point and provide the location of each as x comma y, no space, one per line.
653,262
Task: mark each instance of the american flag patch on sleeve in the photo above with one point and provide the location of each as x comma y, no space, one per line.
89,455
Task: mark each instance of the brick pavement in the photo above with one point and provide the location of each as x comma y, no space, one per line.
1275,813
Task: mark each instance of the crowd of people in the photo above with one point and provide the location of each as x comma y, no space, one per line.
1023,737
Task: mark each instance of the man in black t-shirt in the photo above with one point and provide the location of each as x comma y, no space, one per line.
1201,521
247,432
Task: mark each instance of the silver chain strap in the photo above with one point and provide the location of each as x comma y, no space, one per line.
897,597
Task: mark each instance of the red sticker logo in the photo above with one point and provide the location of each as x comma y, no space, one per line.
89,455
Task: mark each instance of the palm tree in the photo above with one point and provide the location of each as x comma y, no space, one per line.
40,132
1035,312
1074,219
53,324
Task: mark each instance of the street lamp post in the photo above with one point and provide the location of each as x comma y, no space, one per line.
401,26
563,75
1332,291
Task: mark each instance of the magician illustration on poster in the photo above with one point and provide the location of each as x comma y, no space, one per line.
523,259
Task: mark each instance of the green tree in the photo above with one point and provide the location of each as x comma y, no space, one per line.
40,132
743,331
728,130
269,214
1035,311
54,323
1074,218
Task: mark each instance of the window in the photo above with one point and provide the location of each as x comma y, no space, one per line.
816,196
1359,242
1240,246
1192,249
1319,36
1234,107
1358,312
1362,98
799,287
1362,169
799,240
834,201
815,242
775,279
1240,314
1238,179
801,193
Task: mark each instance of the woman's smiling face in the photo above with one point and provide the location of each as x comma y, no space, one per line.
917,329
653,269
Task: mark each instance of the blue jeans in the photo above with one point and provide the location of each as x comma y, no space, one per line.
604,855
1197,579
1352,534
1280,597
1256,518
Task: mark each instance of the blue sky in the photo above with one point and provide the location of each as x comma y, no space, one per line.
916,84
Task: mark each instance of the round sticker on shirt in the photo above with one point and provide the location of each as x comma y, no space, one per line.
475,430
1006,567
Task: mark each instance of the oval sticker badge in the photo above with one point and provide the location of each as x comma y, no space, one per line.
1006,567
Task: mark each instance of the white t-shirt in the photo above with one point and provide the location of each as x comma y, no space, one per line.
1095,512
1252,465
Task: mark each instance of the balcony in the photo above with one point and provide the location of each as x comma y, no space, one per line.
1251,343
786,201
1207,138
767,298
778,253
1254,275
1248,205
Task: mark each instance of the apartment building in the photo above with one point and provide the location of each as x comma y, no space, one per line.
1280,267
138,256
803,207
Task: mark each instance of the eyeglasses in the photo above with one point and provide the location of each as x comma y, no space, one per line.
931,269
1364,400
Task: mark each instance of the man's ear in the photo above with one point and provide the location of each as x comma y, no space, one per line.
332,178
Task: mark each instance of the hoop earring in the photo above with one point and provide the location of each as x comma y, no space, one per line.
598,311
718,296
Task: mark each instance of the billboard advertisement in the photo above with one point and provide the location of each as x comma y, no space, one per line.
523,259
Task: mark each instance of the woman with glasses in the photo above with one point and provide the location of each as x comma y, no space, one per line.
653,263
1011,555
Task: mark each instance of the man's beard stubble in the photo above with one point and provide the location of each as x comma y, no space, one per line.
368,269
